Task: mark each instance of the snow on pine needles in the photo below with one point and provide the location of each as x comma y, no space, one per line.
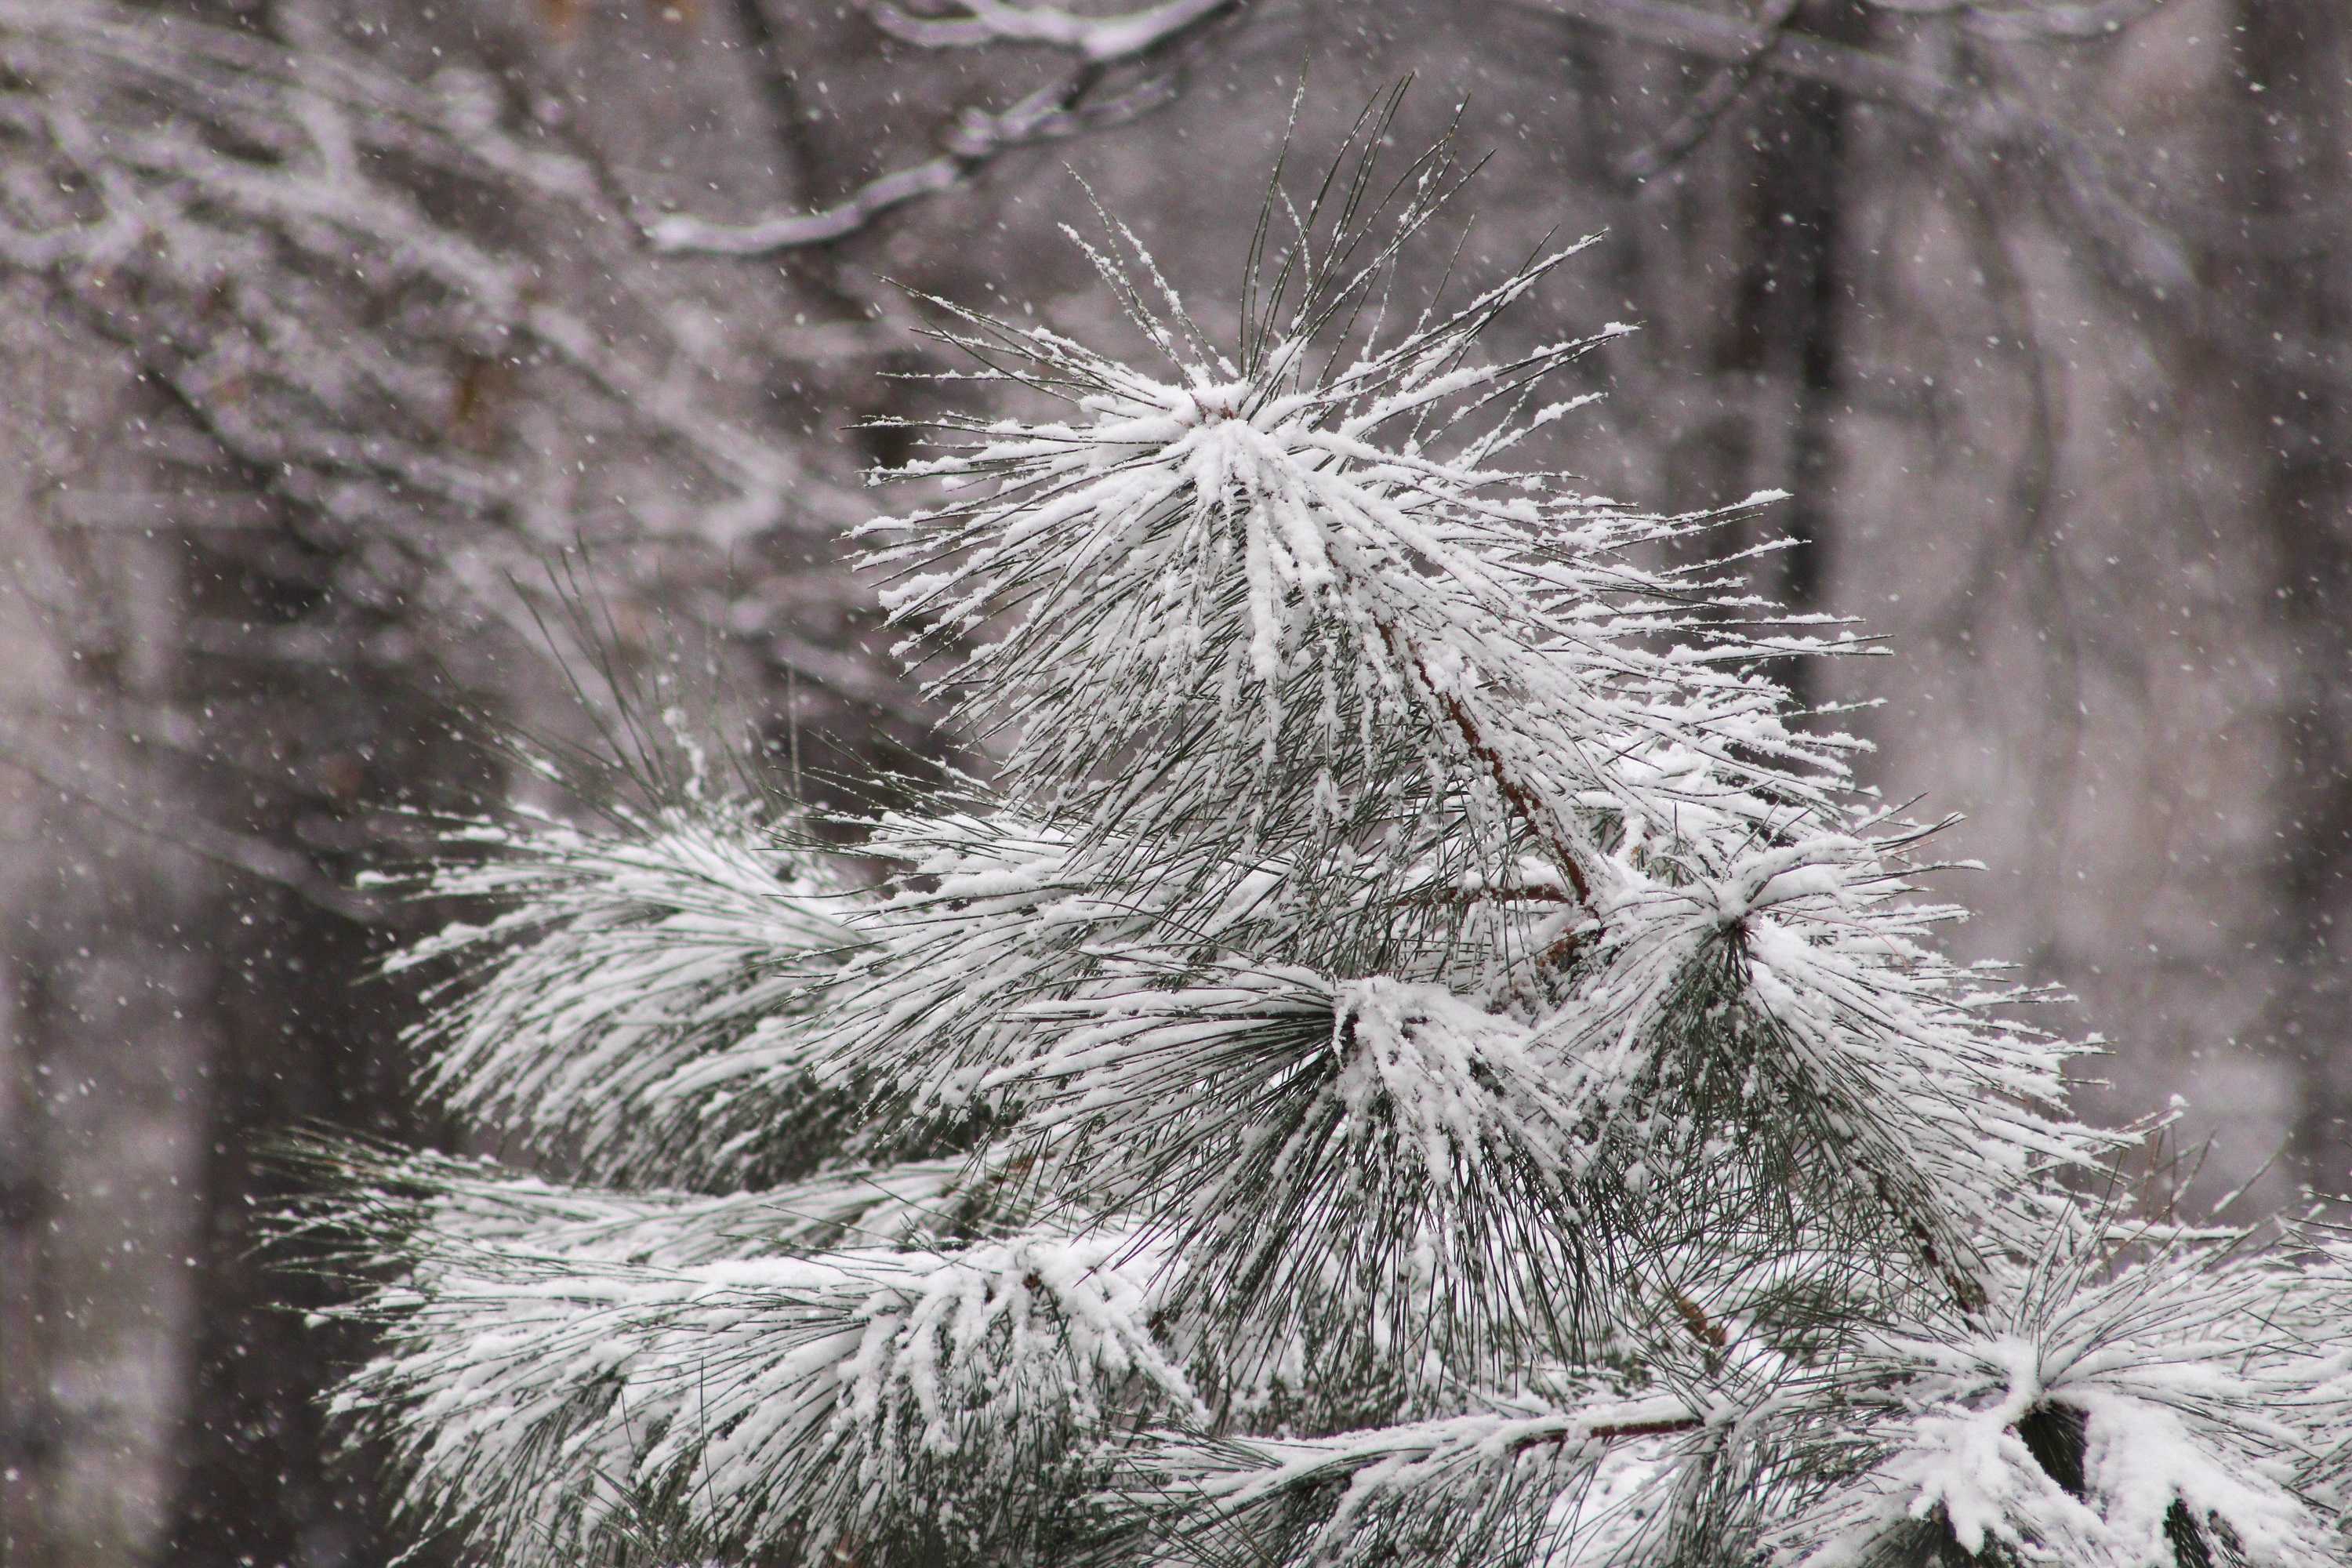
1417,1052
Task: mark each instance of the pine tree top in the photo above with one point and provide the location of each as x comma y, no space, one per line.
1418,1052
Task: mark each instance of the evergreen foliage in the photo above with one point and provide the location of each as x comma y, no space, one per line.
1418,1054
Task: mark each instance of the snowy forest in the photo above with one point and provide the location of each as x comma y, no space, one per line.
439,496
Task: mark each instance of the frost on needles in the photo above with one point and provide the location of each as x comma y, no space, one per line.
1418,1054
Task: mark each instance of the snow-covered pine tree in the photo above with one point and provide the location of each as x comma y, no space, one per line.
1418,1056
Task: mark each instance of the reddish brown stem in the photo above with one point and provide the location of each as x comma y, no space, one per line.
1520,798
1697,1322
1433,899
1613,1434
1647,1429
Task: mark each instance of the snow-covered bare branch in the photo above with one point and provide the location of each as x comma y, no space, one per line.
1097,40
1096,94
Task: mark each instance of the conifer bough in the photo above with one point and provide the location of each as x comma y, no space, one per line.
1420,1055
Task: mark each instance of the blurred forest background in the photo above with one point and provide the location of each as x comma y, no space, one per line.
327,326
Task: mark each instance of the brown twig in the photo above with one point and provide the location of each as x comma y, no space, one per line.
1610,1434
1645,1428
1702,1329
1521,799
1434,898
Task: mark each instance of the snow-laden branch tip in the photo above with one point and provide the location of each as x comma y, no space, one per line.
627,960
2192,1404
977,137
1531,1483
558,1394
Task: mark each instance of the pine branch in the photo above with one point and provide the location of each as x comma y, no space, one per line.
1418,1056
647,982
553,1384
2176,1406
1483,1489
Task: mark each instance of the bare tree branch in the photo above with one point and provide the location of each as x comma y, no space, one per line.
1097,40
1712,100
1065,108
2040,20
1046,115
1734,41
167,200
2138,250
259,857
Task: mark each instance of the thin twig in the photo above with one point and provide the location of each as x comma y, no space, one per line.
1730,40
1711,101
240,851
1531,809
1053,113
